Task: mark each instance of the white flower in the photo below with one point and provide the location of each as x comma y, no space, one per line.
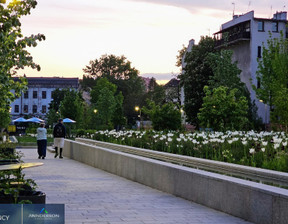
263,149
205,142
169,139
284,143
178,139
230,141
244,142
251,151
264,143
276,146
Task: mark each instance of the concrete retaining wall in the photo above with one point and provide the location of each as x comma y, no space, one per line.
251,201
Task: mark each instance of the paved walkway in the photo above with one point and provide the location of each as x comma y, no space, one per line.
91,195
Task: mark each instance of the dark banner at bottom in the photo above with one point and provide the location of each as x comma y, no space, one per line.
32,213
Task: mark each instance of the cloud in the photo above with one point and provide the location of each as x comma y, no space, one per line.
240,6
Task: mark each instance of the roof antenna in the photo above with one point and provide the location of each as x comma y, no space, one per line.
233,3
249,6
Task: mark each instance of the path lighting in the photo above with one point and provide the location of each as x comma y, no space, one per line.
95,111
137,108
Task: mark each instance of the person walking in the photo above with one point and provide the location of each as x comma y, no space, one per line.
59,133
41,141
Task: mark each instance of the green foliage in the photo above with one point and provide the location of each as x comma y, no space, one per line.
195,76
155,92
273,77
165,117
52,116
106,105
118,71
118,118
226,73
57,97
100,84
13,53
222,110
180,56
72,106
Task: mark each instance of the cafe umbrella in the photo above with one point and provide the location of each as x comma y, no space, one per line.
69,121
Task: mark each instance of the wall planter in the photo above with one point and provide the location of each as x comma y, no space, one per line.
14,193
33,197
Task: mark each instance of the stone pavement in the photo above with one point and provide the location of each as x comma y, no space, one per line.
91,195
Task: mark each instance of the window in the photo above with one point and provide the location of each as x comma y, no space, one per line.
43,94
258,84
34,94
261,26
34,110
274,26
25,109
44,109
26,95
16,109
259,53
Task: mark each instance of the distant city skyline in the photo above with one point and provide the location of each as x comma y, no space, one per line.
149,33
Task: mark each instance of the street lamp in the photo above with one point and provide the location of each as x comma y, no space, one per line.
137,108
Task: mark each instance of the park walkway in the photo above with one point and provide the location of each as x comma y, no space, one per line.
91,196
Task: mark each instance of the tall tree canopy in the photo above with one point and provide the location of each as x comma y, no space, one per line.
118,71
13,53
195,76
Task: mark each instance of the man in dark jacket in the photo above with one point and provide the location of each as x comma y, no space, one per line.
59,133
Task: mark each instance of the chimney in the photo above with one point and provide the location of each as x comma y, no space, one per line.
280,16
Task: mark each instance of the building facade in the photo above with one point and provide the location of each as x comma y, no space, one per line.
246,35
35,101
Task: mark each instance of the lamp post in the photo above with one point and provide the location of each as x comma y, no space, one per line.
137,108
265,121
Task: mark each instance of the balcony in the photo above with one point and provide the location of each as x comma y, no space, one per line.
228,39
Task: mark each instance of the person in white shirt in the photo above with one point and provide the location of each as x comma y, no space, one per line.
42,141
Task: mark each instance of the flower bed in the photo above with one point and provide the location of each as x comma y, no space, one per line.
265,149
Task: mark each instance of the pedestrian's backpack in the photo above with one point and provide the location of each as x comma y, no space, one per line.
59,131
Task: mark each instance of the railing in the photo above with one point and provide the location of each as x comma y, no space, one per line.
249,173
233,38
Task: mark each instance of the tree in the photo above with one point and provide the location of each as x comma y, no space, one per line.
226,73
100,84
118,118
13,53
155,92
222,110
72,107
57,96
118,71
165,117
272,76
180,56
106,104
195,76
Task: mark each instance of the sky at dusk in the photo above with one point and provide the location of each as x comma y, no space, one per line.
149,33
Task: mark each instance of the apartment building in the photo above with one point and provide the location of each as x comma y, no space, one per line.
246,36
36,99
